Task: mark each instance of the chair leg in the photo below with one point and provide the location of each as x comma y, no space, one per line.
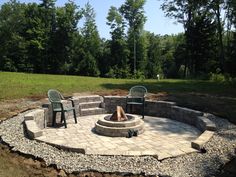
126,108
64,118
75,116
54,115
143,111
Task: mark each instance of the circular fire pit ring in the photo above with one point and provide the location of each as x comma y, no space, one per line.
108,118
105,126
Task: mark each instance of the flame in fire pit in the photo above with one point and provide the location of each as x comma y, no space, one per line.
118,115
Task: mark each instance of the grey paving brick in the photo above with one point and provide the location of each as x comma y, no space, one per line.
158,139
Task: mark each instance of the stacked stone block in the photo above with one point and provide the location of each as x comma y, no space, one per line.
34,122
188,116
90,105
158,108
112,101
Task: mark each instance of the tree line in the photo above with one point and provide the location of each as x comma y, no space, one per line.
43,38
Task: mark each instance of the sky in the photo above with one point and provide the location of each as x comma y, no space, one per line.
156,22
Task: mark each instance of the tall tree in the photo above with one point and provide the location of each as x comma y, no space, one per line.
197,19
182,11
35,37
12,48
118,44
133,12
217,6
231,38
47,14
153,55
91,44
67,19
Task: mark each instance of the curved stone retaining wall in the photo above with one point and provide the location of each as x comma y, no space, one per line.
40,118
164,109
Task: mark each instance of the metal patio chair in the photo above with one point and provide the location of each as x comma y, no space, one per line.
136,96
56,99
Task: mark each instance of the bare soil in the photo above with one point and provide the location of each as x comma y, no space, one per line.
14,164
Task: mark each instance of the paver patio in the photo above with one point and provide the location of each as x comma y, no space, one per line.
162,138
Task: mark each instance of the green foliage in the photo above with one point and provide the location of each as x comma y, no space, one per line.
116,72
43,38
37,37
203,35
223,78
154,63
88,66
217,77
63,37
8,65
90,44
12,48
119,52
111,73
133,12
139,75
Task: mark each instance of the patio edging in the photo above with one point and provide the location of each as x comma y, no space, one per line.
152,108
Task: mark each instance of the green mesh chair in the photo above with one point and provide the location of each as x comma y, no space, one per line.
136,96
56,98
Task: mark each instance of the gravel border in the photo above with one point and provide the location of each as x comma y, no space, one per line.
220,149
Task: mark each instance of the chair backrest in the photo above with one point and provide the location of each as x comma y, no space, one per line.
55,98
138,91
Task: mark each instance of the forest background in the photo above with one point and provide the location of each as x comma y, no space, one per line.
43,38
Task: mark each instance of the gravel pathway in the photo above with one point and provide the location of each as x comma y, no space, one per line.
220,149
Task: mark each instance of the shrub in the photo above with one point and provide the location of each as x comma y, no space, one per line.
217,77
139,75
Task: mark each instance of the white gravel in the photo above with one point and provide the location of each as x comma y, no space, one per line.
220,149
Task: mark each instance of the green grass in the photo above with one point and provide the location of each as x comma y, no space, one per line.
19,85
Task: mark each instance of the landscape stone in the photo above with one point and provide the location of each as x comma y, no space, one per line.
202,139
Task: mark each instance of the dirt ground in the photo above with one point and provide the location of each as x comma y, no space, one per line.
13,164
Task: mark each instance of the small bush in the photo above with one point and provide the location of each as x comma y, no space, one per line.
111,73
233,81
222,78
139,75
217,77
116,72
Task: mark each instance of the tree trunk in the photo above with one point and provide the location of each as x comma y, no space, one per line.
220,30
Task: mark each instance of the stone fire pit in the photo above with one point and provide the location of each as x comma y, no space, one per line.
119,124
119,129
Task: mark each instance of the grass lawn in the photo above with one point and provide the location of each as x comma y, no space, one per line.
19,85
215,97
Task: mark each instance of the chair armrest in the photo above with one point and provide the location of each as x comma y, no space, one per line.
58,102
135,97
72,101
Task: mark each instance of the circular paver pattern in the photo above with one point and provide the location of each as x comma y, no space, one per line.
162,137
